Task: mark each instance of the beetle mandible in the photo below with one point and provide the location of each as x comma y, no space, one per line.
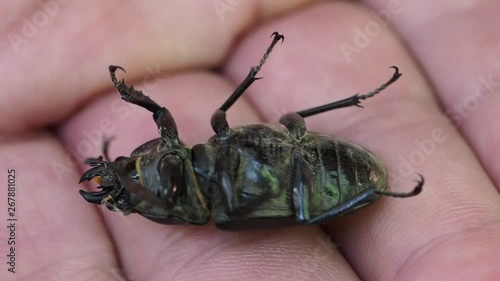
256,176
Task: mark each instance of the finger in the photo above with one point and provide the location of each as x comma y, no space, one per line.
395,239
53,235
195,253
465,69
57,52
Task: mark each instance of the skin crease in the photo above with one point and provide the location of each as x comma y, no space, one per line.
56,94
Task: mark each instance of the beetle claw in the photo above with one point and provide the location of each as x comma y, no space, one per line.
113,68
90,174
278,37
95,197
420,184
396,71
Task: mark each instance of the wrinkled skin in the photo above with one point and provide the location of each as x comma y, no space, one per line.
58,80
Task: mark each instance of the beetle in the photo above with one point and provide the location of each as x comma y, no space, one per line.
255,176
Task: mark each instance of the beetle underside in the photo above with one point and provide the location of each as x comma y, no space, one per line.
257,176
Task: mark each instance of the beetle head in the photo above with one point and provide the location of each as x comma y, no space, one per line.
152,182
106,174
142,183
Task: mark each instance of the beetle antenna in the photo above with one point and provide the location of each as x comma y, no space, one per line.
93,162
415,191
105,148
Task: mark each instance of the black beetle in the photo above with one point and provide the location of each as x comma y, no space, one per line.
256,176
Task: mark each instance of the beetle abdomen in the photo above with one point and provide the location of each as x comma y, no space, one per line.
347,170
266,143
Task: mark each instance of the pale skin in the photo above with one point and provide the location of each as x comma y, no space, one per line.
58,77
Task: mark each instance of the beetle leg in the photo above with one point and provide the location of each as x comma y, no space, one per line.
416,190
133,187
295,125
352,204
171,179
219,124
161,115
363,199
218,121
351,101
226,168
236,203
251,75
302,184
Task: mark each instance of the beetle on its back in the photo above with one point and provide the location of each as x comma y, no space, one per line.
256,176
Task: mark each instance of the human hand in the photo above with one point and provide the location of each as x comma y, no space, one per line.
57,78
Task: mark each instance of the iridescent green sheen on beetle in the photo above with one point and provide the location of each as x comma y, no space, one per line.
256,176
